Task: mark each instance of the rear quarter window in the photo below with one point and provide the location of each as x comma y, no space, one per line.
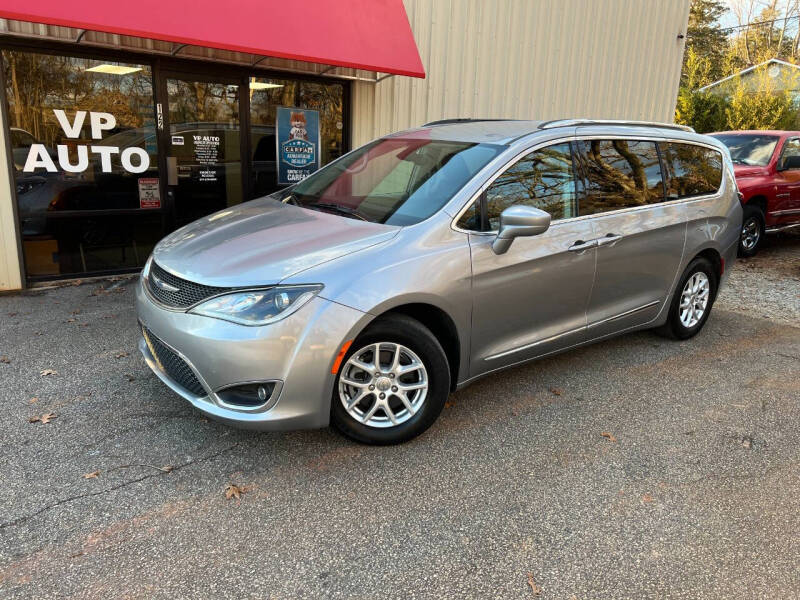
691,170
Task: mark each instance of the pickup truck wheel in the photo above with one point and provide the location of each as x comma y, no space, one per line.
753,225
392,383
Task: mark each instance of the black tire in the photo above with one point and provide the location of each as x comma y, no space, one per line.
674,328
753,227
408,332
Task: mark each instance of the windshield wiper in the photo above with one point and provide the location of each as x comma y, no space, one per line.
342,210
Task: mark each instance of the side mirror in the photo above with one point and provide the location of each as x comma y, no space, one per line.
519,221
790,162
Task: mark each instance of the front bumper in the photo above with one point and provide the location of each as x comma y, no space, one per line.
296,354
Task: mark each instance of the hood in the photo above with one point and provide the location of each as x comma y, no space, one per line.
263,242
749,171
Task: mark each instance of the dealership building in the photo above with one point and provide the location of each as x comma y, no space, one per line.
121,122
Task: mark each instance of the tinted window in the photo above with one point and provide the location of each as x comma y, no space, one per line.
620,174
395,181
691,170
471,219
543,179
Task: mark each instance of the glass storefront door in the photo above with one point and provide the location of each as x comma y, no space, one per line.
111,155
204,147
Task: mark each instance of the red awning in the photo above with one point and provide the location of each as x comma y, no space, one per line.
363,34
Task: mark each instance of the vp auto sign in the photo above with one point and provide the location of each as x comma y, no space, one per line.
133,159
298,143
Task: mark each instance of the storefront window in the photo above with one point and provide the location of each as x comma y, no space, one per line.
266,95
85,162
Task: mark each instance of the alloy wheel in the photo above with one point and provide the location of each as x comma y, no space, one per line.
694,299
751,232
383,385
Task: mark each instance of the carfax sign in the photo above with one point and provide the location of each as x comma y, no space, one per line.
297,134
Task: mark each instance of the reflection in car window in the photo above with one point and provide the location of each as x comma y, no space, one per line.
543,179
620,174
748,149
471,218
691,170
394,181
790,149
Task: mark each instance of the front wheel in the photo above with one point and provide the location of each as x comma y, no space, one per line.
691,303
392,383
753,225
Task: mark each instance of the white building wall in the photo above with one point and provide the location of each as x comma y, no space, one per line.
532,59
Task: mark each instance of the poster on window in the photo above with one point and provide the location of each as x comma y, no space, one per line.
297,137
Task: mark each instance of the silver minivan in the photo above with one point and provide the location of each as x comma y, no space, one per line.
426,259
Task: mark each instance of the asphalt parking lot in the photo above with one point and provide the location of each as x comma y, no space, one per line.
635,468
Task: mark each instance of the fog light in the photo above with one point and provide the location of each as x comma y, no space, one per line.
282,301
247,395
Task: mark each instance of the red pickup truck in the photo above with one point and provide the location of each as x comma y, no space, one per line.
767,169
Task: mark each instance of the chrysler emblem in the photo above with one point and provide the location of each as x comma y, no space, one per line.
163,285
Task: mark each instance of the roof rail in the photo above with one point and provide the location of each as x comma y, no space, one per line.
451,121
576,122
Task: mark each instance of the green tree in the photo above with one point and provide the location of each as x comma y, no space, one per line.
703,111
705,37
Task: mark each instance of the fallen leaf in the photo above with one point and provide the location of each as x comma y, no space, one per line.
83,324
12,314
609,436
44,419
535,587
47,372
234,491
71,320
556,391
129,377
167,468
5,359
76,312
92,475
449,404
120,355
647,498
33,400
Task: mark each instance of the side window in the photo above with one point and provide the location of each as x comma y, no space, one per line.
620,174
543,179
691,170
471,219
790,156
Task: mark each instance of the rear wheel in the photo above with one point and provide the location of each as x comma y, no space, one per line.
753,225
392,384
691,303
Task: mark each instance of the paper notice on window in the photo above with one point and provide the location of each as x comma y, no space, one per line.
149,195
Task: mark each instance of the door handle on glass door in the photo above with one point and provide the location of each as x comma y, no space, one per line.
609,240
580,245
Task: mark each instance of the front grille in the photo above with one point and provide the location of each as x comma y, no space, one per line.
188,293
173,365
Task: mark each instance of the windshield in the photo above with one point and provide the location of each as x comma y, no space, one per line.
393,181
751,150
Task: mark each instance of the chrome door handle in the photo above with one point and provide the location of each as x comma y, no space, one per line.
580,245
608,240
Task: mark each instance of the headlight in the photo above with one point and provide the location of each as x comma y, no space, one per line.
258,307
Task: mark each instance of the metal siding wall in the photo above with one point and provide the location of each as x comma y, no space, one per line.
532,59
10,275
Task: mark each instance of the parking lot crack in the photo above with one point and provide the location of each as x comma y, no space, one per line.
56,504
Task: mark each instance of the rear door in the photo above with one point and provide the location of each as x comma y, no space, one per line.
532,299
640,237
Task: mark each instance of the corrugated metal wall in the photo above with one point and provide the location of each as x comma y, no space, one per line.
537,59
